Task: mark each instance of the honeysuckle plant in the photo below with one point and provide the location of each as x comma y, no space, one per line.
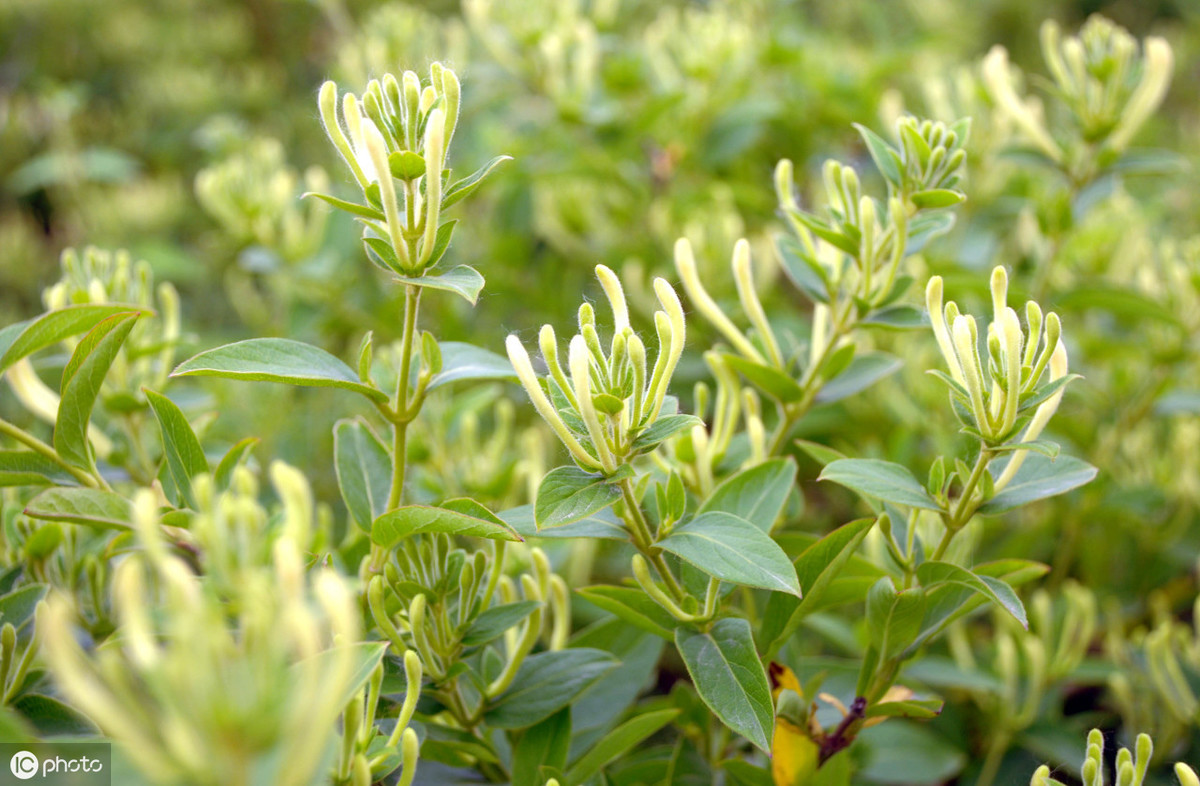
617,585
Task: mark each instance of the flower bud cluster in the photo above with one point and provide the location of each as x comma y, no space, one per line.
605,403
923,171
252,195
213,684
431,593
1109,88
991,399
398,130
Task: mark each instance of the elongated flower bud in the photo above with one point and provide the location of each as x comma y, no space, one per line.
525,373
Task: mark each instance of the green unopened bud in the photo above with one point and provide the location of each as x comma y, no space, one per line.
1186,775
528,378
933,304
1156,76
560,605
411,84
999,86
410,747
999,289
785,185
451,95
1033,323
587,316
292,487
579,363
8,645
327,102
685,265
435,149
429,97
413,673
743,277
616,297
1145,751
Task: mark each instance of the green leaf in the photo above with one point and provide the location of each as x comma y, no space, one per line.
757,494
603,524
949,602
393,526
462,280
925,227
632,606
894,618
546,683
93,507
1040,477
441,242
465,187
665,427
350,207
743,773
880,480
898,318
829,234
364,471
805,272
462,361
277,360
732,549
598,709
406,165
381,252
492,623
17,607
816,568
26,468
864,370
1149,161
617,743
569,494
886,159
81,381
236,455
365,655
543,745
52,327
730,678
768,379
181,449
905,753
934,198
933,574
52,718
822,454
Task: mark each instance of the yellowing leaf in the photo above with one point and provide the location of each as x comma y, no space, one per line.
794,756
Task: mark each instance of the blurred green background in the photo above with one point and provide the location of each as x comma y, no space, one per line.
186,131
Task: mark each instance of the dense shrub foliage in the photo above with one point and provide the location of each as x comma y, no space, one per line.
602,392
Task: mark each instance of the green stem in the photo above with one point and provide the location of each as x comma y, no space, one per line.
39,447
644,540
412,299
995,755
792,413
966,506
